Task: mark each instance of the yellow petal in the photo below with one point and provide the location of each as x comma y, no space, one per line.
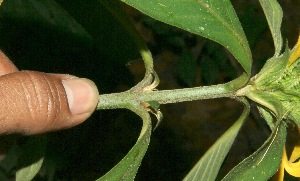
292,166
293,169
296,152
296,53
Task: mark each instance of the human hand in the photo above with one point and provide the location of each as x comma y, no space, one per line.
34,102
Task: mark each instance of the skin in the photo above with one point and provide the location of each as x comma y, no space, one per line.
35,102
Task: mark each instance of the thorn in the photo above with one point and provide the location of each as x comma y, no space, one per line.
159,117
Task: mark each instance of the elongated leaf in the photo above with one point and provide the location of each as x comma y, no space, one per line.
31,158
267,100
263,163
272,71
208,166
127,168
28,173
267,116
213,19
274,15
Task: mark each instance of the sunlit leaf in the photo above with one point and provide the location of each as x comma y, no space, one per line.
213,19
274,15
263,163
127,168
208,166
31,158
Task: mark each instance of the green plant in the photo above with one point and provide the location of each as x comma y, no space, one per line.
274,89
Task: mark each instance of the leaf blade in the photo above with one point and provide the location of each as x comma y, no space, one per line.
213,19
126,169
208,166
264,162
31,158
273,13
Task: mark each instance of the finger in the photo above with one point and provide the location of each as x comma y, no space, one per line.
34,102
6,66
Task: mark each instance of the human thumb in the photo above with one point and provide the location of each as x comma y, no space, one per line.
34,102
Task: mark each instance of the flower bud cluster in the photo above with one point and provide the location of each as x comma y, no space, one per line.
277,87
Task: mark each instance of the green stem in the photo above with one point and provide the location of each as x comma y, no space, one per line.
188,94
132,98
125,99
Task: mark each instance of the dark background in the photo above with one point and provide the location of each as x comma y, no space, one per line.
181,60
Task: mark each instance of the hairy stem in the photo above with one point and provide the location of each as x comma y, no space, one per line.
131,98
125,99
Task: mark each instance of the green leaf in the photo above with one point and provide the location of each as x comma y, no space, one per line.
213,19
269,101
31,158
28,173
127,168
273,71
267,116
263,163
208,166
100,18
237,83
274,15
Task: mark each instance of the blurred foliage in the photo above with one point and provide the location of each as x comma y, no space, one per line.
26,27
42,36
38,38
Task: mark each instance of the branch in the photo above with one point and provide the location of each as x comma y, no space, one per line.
132,97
